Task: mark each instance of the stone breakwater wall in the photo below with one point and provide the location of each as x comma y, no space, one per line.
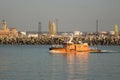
46,40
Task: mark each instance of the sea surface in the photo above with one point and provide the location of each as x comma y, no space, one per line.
34,62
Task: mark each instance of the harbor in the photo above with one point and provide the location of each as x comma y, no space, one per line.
59,39
14,37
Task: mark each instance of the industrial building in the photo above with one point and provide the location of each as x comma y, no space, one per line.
7,32
52,28
116,30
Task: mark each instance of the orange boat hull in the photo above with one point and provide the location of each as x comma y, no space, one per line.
63,50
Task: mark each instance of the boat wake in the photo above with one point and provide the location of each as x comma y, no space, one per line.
101,51
106,51
53,51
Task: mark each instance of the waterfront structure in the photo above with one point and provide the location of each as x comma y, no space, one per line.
96,26
111,32
22,34
32,35
39,27
7,32
52,28
76,33
56,26
116,30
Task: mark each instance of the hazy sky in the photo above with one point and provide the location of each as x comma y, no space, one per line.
72,15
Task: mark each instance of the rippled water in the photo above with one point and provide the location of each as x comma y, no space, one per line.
25,62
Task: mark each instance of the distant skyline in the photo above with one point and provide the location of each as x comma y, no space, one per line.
72,15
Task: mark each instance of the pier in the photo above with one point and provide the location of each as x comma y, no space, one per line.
48,40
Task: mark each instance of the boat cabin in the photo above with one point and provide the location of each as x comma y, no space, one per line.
76,47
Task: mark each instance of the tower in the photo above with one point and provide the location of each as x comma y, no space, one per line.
56,26
116,30
39,27
4,25
54,31
97,27
50,27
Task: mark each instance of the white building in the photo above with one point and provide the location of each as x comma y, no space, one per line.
23,33
76,33
112,33
32,35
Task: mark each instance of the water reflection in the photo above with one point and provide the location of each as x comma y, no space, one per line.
72,66
77,66
58,67
6,67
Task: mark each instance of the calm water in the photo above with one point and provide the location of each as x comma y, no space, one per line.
35,63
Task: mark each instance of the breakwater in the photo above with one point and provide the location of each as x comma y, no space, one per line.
47,40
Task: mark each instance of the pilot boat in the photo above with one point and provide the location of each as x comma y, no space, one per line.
70,47
73,48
